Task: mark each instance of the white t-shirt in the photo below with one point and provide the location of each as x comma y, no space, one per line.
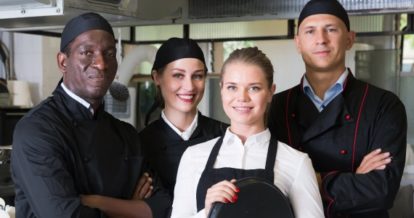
294,174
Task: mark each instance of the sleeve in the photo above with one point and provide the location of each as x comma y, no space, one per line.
160,200
304,193
361,193
40,172
185,191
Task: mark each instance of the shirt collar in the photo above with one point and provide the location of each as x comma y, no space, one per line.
330,94
77,98
258,139
186,134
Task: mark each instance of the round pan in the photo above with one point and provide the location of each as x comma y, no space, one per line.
257,199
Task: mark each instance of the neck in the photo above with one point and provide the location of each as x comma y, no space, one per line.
180,120
322,81
245,131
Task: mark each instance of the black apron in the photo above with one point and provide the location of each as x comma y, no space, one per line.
211,176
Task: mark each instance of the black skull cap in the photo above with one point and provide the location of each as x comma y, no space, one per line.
82,23
332,7
177,48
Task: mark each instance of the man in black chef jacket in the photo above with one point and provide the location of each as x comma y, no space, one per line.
68,148
355,133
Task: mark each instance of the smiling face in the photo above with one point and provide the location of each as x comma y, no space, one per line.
182,85
90,65
245,94
323,40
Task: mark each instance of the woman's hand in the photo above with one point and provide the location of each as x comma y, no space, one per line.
144,188
224,191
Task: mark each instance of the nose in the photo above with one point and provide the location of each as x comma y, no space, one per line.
99,62
188,84
243,95
321,37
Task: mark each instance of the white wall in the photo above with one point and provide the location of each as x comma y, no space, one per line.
35,62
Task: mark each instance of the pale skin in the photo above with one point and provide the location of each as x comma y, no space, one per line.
182,85
245,95
323,40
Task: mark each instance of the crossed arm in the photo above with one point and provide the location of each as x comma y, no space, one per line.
135,207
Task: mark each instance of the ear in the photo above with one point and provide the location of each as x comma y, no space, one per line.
156,77
272,91
350,39
61,61
297,43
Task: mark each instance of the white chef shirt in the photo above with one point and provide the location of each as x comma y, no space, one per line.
188,132
294,174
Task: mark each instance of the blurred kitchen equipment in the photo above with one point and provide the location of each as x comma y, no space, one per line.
20,93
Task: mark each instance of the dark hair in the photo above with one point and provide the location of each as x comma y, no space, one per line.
254,56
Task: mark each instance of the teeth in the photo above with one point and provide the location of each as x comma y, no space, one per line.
242,108
186,97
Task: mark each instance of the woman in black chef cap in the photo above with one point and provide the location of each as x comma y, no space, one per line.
179,71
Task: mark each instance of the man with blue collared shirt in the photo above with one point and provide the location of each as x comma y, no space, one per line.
354,133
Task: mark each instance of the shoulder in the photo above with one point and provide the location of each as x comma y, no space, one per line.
279,99
151,128
210,122
201,149
286,153
199,153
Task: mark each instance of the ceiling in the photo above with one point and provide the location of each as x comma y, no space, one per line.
28,15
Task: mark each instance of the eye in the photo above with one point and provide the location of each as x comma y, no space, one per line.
332,30
198,76
86,53
178,75
231,87
254,89
110,53
309,31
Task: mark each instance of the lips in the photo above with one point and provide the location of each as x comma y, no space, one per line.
243,109
188,98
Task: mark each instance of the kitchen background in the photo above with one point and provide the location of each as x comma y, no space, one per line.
30,29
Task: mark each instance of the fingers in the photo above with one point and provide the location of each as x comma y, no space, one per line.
144,187
224,191
375,160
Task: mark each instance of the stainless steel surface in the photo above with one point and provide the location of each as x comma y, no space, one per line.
30,15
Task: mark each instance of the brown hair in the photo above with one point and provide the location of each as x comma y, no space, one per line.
254,56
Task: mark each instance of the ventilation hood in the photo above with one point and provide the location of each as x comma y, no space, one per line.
27,15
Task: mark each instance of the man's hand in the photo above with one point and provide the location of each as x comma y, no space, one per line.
375,160
144,188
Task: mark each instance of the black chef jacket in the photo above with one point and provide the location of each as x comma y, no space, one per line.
61,151
164,147
359,120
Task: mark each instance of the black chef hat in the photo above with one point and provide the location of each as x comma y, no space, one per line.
81,24
177,48
332,7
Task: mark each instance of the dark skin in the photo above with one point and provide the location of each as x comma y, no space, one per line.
89,66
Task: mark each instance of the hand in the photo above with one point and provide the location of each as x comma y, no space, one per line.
90,200
224,191
375,160
144,188
319,180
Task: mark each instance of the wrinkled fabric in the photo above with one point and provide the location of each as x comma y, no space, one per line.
337,145
61,151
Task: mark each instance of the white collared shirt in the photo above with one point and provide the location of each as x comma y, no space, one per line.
294,174
188,132
77,98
